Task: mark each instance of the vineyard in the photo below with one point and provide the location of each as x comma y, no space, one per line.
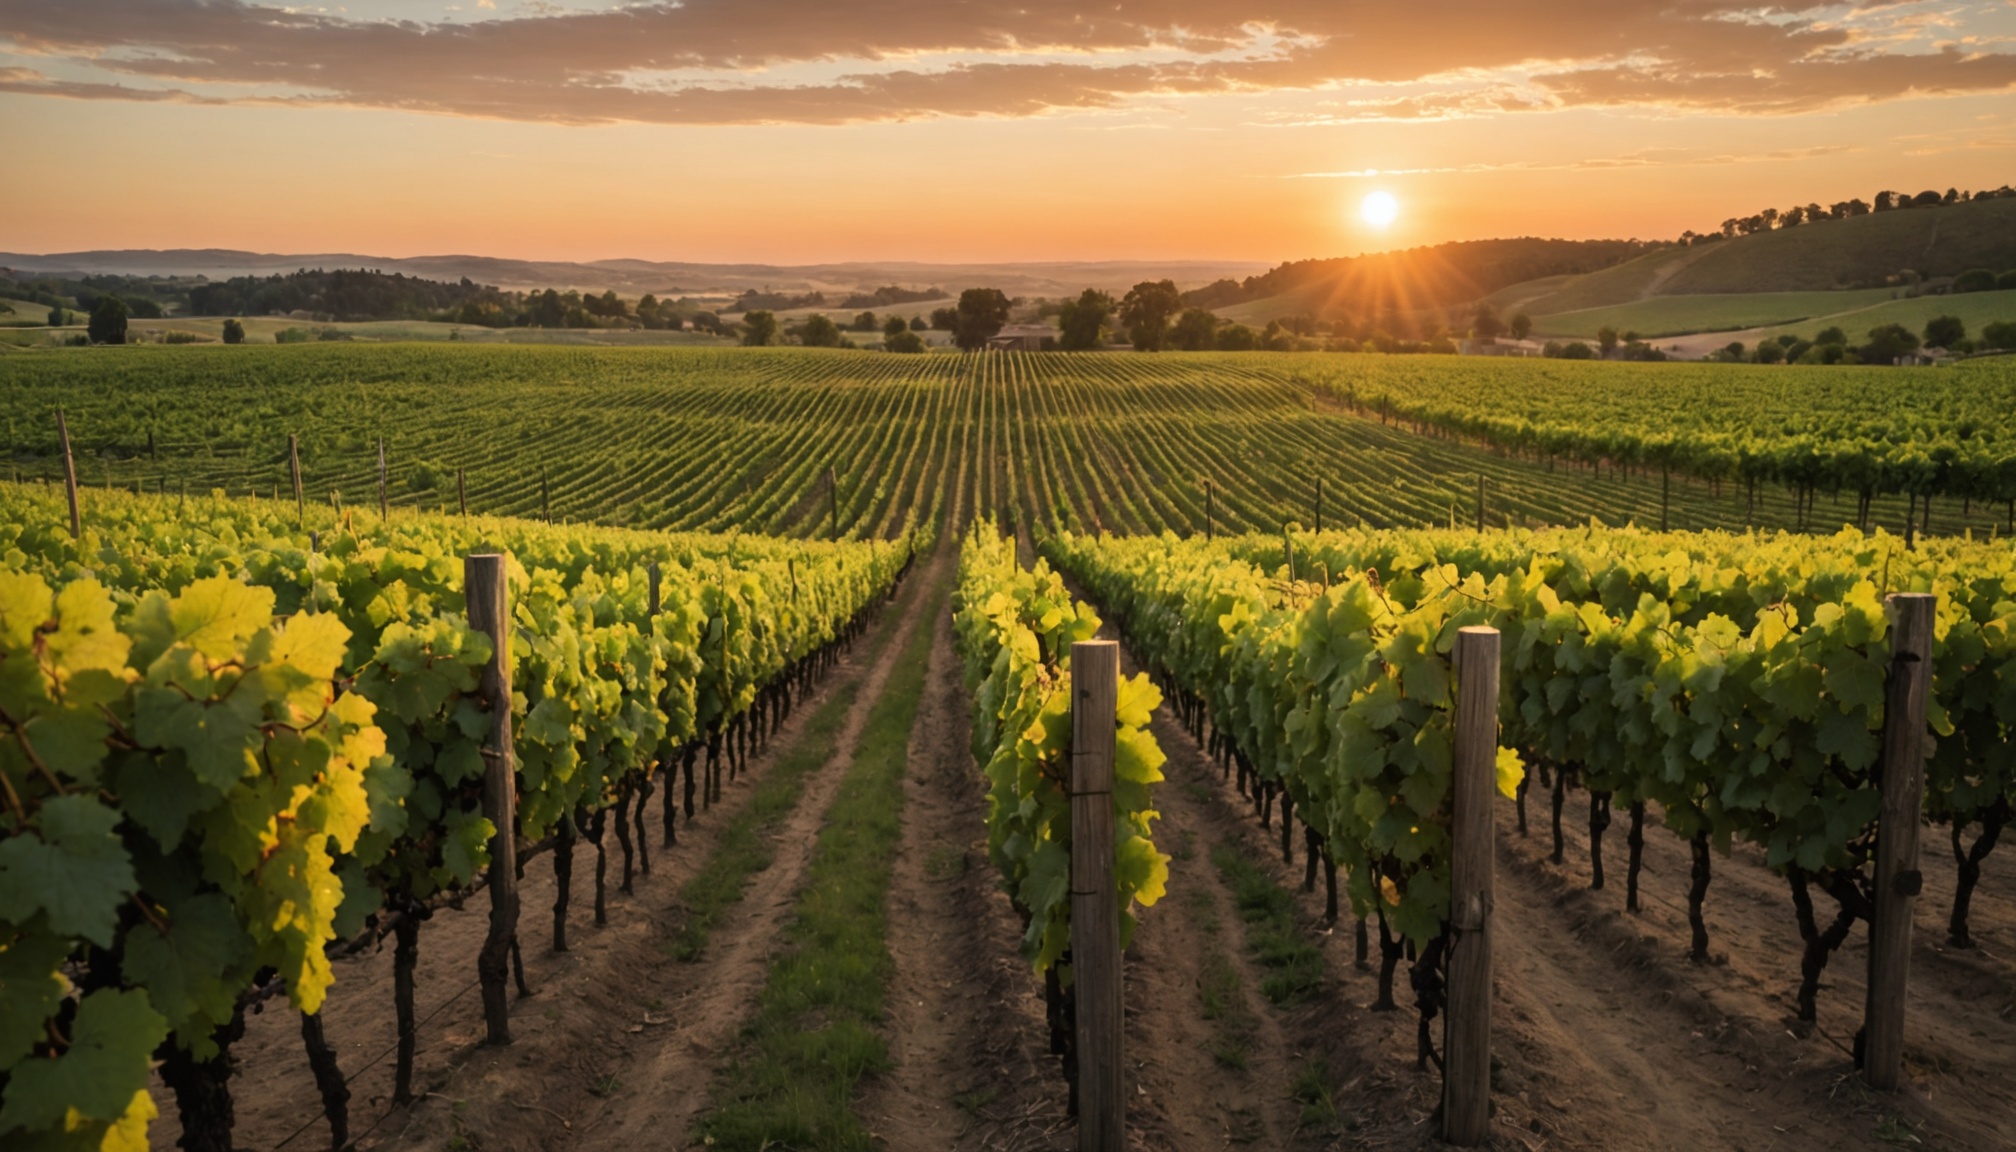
712,441
794,651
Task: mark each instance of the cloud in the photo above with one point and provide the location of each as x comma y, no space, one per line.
800,61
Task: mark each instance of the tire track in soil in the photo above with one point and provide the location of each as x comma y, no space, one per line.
967,1037
671,1073
591,1005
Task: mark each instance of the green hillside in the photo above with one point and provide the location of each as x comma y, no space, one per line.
1722,312
1852,257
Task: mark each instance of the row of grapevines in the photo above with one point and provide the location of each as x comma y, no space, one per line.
225,748
1736,682
1869,430
1015,631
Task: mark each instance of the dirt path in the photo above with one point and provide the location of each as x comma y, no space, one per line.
615,992
966,1027
666,1073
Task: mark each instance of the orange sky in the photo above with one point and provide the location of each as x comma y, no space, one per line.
769,130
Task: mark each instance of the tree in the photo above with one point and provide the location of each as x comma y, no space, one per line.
819,332
1831,336
1769,352
1974,280
866,322
234,332
981,313
945,319
1486,326
2001,334
1146,310
1195,331
56,316
1577,350
1888,343
920,324
1082,322
758,328
1944,331
893,326
1521,326
903,340
108,321
1606,338
1237,338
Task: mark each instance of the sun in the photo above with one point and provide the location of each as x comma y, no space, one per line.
1379,209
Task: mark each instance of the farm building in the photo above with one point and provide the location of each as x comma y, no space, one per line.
1022,338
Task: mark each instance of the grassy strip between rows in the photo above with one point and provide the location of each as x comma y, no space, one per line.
816,1029
745,847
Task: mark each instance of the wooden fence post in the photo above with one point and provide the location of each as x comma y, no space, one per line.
1897,879
489,612
69,477
1466,1044
1095,906
294,469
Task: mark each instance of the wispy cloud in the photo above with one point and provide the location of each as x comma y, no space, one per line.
743,61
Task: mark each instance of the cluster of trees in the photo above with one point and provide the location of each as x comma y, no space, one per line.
1886,201
1885,344
891,296
1983,280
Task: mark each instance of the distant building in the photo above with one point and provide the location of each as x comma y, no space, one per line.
1022,338
1501,347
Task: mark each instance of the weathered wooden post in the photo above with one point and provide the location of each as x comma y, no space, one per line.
1095,905
1466,1045
489,612
1898,880
294,470
69,477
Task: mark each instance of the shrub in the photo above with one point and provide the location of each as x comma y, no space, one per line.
1577,350
904,341
2001,334
1974,280
234,332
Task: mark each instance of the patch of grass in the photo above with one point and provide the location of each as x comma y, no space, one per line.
971,1102
745,847
1294,966
1218,985
1311,1089
946,864
816,1030
606,1086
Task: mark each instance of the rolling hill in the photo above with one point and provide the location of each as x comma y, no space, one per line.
1765,279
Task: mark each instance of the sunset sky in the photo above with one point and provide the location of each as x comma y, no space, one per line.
791,131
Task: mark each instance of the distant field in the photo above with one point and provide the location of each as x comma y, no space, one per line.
1678,315
713,439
